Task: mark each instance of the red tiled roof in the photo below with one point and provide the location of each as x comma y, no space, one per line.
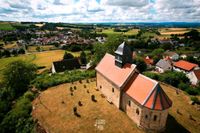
148,60
197,74
148,93
115,74
185,65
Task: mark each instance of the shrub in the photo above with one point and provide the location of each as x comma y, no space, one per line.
80,104
74,87
195,100
29,95
192,91
44,81
183,86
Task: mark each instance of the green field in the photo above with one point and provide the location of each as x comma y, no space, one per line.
5,61
6,26
111,31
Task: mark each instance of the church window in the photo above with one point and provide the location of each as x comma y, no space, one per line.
155,117
137,111
129,103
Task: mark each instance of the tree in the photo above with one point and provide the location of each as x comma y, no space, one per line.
99,52
141,65
83,58
68,56
158,52
18,75
38,48
14,52
6,53
21,51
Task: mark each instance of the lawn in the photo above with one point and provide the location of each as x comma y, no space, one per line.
53,108
111,31
6,26
180,122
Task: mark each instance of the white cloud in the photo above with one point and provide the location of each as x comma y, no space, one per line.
95,11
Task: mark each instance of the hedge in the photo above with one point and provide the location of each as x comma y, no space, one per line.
46,80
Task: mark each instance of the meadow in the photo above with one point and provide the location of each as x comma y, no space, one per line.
111,31
6,26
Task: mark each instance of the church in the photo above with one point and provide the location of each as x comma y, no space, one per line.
140,97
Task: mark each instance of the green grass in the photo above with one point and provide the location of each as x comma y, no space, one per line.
6,26
5,61
111,31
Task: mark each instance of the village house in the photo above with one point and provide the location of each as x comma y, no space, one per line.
148,61
194,77
164,65
184,66
63,65
142,98
172,55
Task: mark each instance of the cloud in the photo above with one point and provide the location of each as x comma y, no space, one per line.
133,3
100,10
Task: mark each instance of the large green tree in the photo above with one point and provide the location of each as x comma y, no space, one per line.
108,47
67,56
18,75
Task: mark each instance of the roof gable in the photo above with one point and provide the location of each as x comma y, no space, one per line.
148,93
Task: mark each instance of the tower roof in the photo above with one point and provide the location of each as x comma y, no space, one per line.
120,49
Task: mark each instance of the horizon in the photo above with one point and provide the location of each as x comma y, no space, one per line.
101,11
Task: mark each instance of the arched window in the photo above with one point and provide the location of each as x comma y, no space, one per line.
146,116
155,117
113,90
137,111
100,86
129,103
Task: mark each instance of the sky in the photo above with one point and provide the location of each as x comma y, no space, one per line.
77,11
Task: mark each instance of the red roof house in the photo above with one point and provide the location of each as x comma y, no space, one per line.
184,66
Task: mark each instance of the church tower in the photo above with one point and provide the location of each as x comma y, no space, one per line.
123,55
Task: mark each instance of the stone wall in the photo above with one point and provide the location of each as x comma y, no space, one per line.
147,119
111,92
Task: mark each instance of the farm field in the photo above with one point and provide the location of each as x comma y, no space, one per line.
6,26
44,48
39,58
53,108
112,32
169,31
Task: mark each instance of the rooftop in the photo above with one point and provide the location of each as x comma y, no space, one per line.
149,95
114,73
185,65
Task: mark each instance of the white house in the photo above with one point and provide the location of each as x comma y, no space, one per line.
172,55
194,77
